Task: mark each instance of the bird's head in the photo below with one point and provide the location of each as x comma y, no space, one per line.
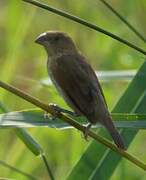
56,42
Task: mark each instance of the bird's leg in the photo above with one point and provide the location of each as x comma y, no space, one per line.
87,131
46,116
56,108
61,110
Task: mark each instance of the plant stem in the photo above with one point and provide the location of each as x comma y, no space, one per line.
18,171
123,20
73,123
47,166
85,23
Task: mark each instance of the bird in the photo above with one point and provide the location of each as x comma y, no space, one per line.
76,81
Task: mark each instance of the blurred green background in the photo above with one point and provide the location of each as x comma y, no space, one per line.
23,64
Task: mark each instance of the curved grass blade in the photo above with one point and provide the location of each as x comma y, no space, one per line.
30,143
27,139
128,24
47,166
94,160
85,23
35,147
35,118
3,108
28,176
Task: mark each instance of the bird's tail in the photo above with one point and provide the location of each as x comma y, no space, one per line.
114,133
118,139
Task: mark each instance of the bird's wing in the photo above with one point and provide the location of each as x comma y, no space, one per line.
79,83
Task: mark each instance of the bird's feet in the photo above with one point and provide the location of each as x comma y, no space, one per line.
58,110
86,132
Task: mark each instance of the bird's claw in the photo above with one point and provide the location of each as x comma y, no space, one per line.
86,132
46,115
56,108
59,110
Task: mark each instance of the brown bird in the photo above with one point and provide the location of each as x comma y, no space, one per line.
76,81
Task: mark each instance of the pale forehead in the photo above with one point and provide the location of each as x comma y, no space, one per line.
44,34
55,33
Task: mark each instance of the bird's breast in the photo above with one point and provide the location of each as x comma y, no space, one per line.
52,66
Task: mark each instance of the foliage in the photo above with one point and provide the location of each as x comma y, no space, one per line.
23,65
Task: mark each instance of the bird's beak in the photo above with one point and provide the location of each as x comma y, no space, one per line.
41,38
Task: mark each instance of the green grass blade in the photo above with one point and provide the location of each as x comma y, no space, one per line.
85,23
94,160
35,118
47,166
3,108
30,143
35,147
28,176
123,19
22,133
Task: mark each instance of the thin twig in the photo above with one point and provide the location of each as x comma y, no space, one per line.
85,23
47,166
73,123
124,20
18,170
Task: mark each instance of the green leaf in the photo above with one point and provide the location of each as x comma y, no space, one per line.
3,108
36,118
27,139
94,160
83,22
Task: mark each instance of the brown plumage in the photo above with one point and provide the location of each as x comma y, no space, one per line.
76,81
